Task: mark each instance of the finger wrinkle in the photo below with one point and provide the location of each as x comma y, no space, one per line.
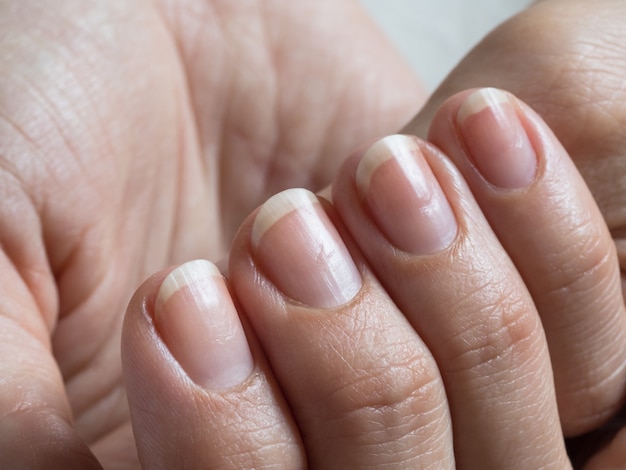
496,334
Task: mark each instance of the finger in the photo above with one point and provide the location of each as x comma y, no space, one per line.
197,399
549,224
363,388
36,425
572,76
416,221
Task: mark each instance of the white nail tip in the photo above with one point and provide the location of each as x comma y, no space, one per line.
185,275
277,207
481,99
400,147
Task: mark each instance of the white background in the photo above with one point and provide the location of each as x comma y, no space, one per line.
435,34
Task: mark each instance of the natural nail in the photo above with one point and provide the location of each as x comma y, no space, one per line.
301,251
198,322
496,140
404,197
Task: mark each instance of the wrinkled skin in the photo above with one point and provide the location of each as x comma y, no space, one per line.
132,137
135,135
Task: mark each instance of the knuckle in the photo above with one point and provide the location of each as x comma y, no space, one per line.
380,398
392,400
248,427
583,268
496,328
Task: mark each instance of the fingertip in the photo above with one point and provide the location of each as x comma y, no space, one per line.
189,310
195,392
199,323
302,252
492,129
313,303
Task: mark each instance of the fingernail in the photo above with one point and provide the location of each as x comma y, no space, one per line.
497,142
198,322
404,196
301,251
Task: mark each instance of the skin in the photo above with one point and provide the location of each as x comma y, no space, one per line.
91,213
132,134
467,380
569,71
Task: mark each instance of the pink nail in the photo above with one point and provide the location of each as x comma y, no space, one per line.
496,140
198,322
302,253
404,196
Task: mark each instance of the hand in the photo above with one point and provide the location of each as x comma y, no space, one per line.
135,135
404,328
553,70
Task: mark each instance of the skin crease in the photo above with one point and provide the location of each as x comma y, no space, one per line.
80,133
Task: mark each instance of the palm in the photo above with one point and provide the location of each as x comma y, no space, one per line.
142,132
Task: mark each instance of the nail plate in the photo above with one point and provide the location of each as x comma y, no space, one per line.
496,140
198,322
404,197
301,252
